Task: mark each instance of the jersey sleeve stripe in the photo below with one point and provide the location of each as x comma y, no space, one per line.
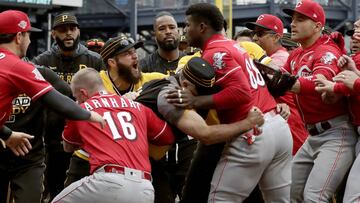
325,67
231,71
71,142
160,133
42,92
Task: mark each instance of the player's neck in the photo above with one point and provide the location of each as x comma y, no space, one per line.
118,81
67,53
11,47
273,49
310,41
169,55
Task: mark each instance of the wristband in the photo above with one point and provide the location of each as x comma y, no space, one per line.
5,133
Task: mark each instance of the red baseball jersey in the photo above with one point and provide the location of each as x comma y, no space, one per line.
124,140
241,83
16,77
320,58
297,127
354,95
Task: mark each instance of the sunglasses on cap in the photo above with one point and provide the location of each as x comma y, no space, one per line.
95,43
262,33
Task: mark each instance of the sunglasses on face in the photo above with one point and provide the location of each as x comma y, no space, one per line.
262,33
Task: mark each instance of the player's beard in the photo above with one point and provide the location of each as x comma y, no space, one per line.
169,46
62,46
126,73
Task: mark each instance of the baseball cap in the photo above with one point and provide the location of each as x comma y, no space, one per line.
117,45
350,32
267,21
65,19
199,72
14,21
310,9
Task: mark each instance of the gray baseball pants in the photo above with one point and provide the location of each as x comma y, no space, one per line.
322,163
267,161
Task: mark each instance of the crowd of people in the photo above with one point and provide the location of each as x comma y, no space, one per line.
266,116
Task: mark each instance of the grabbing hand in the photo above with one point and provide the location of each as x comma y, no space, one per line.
323,85
95,117
181,97
255,117
19,143
347,77
346,63
131,95
284,110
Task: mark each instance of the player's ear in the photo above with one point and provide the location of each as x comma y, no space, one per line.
84,93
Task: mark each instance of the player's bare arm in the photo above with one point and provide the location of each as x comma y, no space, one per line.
345,62
194,125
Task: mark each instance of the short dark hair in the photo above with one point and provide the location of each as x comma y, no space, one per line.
243,33
6,38
208,13
161,14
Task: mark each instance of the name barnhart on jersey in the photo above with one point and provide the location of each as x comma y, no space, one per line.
110,102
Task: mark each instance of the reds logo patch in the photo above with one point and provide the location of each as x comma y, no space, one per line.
218,60
327,58
304,71
38,75
22,24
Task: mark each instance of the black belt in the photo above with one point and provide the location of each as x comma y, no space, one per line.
313,130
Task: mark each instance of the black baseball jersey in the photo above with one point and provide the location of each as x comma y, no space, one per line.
154,63
67,66
29,117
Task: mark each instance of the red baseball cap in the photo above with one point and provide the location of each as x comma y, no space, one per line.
269,22
308,8
13,21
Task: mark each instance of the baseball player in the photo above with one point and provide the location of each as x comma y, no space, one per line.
169,173
348,84
244,161
18,77
65,57
122,77
25,173
326,156
119,158
268,30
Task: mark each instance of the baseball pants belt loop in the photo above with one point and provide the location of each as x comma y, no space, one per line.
320,127
113,168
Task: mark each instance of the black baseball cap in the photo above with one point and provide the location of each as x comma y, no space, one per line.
287,42
117,45
199,72
350,32
65,19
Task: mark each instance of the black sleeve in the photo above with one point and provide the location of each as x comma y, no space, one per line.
64,106
55,80
5,132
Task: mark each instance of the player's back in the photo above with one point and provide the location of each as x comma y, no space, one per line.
259,93
124,140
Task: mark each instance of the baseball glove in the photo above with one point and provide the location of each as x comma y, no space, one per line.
280,83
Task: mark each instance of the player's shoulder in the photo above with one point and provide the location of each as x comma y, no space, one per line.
146,77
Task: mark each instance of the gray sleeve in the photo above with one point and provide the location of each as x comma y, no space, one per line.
171,113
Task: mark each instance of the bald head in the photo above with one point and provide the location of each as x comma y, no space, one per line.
86,83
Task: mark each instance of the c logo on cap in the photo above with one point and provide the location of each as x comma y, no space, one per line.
260,17
298,4
22,24
64,17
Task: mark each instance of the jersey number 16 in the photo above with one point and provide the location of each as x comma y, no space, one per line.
127,128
